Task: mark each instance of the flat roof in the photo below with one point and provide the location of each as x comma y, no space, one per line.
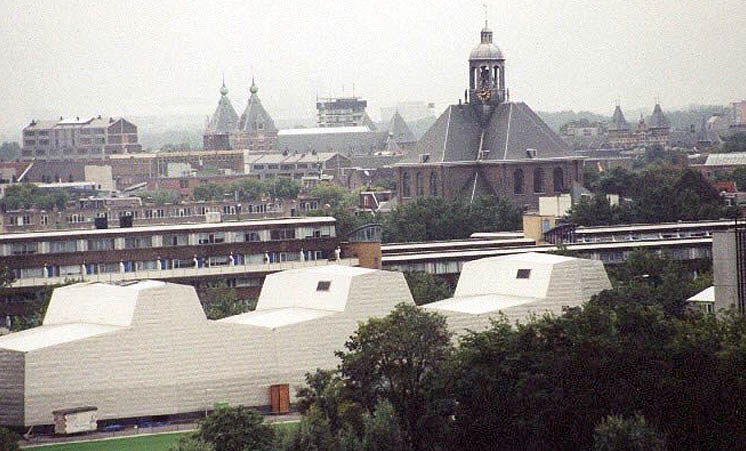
274,318
459,243
664,226
478,305
323,131
167,228
542,248
45,336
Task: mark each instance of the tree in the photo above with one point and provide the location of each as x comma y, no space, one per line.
396,358
9,440
9,151
220,301
236,429
34,310
26,196
284,188
426,288
192,443
209,192
382,430
250,189
313,434
735,143
159,197
616,433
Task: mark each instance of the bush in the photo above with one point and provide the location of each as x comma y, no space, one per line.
8,440
236,429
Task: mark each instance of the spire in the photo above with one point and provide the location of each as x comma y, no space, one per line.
223,89
253,89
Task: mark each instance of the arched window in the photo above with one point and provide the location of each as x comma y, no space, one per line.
559,180
418,184
433,184
405,185
538,180
518,181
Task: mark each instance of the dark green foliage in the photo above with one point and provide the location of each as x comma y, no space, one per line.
35,309
236,429
283,188
192,443
382,430
221,300
435,218
25,196
209,192
656,194
159,197
313,434
9,151
250,189
8,440
396,358
426,288
735,143
616,433
340,204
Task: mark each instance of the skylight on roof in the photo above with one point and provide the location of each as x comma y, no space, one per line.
323,285
523,274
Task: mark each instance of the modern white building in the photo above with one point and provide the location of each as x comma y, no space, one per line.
519,286
146,348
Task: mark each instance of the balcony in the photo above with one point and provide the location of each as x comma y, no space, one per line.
166,274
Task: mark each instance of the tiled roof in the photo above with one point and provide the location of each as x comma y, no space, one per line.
726,159
618,122
225,118
345,140
658,119
400,130
256,114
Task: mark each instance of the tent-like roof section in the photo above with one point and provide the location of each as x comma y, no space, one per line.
255,117
275,318
97,303
512,128
618,122
658,119
225,118
706,295
399,129
51,335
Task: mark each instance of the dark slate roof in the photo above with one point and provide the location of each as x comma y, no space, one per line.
349,142
374,161
511,129
658,119
400,130
255,113
618,122
225,118
368,122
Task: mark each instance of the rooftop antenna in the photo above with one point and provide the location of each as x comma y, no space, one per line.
484,5
353,89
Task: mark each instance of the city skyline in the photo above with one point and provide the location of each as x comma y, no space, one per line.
161,59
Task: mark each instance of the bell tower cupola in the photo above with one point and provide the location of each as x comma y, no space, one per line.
486,71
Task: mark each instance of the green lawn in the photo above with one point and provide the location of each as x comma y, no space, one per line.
159,442
147,443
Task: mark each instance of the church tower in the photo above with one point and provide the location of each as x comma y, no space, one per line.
486,73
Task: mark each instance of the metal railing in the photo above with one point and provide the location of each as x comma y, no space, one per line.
179,272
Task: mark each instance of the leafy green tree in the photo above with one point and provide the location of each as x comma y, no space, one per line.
397,358
616,433
192,443
220,301
426,288
313,434
9,151
333,195
250,189
236,429
382,430
341,204
209,192
735,143
9,440
284,188
34,310
26,196
159,197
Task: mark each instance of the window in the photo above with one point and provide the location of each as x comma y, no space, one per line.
176,240
282,234
138,242
252,236
23,248
518,181
271,166
523,274
211,238
538,180
418,184
433,184
559,180
62,246
258,167
323,285
406,192
101,244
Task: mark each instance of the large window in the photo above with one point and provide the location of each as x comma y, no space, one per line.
282,234
418,184
538,180
559,180
138,242
211,238
405,189
24,248
433,184
101,244
63,246
518,181
176,239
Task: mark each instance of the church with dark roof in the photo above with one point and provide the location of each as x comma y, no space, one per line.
254,130
488,145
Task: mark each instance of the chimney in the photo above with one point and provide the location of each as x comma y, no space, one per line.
531,153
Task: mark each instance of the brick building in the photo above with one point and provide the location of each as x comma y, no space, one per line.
489,145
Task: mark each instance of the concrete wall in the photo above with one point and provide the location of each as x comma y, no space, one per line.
11,387
724,269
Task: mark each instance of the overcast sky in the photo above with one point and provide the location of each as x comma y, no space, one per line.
129,57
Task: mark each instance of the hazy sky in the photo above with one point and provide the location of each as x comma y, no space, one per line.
129,57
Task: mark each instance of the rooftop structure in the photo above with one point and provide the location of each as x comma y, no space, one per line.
519,286
343,112
153,339
79,138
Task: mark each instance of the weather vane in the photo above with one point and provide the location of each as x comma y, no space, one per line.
484,5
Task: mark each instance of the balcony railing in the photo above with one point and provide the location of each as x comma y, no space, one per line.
164,274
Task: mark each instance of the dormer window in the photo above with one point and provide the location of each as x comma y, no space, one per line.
523,274
323,285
